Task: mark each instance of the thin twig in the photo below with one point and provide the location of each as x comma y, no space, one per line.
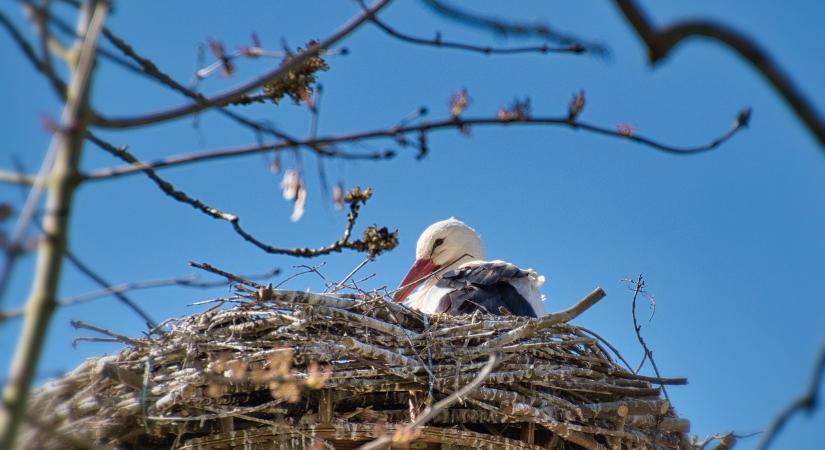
501,27
190,281
609,345
350,275
86,270
118,293
151,70
487,50
309,269
639,286
343,243
229,276
63,27
80,325
7,176
48,45
394,132
233,94
41,66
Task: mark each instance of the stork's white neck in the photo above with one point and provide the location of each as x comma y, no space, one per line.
428,295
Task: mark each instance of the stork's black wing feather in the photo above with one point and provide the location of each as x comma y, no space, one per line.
484,287
482,274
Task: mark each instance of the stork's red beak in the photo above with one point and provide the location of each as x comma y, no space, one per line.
418,273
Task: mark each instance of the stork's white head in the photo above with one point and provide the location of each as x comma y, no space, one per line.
443,246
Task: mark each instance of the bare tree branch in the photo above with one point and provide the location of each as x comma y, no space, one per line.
86,270
41,65
228,275
48,45
457,123
189,281
41,303
152,71
499,26
807,403
661,41
233,94
375,240
17,178
67,30
80,266
487,50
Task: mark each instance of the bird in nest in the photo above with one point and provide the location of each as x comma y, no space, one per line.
453,278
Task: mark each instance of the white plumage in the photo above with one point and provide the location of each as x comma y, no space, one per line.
454,278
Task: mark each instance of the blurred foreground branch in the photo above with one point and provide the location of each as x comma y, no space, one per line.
237,92
660,41
807,403
67,144
487,50
504,28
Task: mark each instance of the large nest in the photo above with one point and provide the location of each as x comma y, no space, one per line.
299,370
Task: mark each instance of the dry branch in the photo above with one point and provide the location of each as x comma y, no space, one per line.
374,240
400,436
457,123
41,65
502,27
67,143
487,50
531,328
233,94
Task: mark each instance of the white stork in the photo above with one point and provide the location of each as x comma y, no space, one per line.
456,280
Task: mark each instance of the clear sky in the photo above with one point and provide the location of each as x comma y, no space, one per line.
730,241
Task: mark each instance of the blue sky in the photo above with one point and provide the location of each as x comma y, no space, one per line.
730,241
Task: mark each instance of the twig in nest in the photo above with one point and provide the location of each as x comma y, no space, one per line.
408,433
118,290
229,276
119,337
351,274
309,269
609,345
638,286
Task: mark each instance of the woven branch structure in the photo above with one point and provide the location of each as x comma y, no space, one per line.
295,370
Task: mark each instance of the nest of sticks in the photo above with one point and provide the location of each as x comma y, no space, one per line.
285,369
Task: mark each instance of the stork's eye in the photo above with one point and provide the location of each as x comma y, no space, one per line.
438,242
